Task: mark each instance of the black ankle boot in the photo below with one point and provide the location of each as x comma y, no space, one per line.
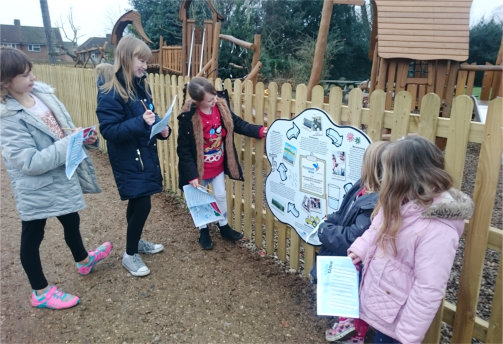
229,234
205,239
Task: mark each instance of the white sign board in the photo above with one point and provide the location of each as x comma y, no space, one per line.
314,162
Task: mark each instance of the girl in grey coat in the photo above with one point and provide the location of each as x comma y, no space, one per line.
34,138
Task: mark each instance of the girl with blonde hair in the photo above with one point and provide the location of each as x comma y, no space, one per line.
126,114
350,221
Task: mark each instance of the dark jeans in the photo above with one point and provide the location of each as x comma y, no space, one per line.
382,338
136,215
32,234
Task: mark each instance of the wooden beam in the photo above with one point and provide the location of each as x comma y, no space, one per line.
238,41
321,45
349,2
466,66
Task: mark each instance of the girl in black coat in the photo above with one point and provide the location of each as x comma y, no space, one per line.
350,221
126,115
206,148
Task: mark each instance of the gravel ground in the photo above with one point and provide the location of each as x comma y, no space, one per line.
233,294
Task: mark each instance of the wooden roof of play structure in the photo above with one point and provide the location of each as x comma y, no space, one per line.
130,17
422,30
418,46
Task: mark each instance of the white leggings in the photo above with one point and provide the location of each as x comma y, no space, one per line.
218,186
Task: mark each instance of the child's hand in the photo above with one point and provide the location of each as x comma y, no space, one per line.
194,183
149,117
91,139
165,132
264,131
356,260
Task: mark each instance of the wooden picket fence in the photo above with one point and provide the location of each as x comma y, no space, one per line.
76,88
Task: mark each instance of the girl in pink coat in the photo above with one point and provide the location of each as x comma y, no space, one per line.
408,251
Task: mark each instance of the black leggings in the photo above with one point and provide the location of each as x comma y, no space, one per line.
136,215
32,234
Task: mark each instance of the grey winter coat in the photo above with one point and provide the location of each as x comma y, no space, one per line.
35,160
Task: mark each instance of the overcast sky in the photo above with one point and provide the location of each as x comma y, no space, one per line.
95,18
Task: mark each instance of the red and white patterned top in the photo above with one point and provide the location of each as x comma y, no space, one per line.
213,134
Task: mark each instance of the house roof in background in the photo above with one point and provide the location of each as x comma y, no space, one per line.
19,34
94,42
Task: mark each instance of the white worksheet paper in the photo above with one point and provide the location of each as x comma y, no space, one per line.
163,123
202,206
337,287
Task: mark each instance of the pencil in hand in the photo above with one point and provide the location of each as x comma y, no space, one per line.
144,106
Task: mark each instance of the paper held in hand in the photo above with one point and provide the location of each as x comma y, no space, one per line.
75,153
202,205
337,287
163,123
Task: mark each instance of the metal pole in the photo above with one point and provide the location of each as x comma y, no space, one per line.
202,51
190,54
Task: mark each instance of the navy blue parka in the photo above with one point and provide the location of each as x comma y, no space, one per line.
342,228
133,156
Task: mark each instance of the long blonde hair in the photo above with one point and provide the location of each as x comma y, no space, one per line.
372,166
413,170
128,48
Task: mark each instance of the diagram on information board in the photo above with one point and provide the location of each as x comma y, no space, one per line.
314,162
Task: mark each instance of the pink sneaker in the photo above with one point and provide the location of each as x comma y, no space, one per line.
94,257
54,298
340,330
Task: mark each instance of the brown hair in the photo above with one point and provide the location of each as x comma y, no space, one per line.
372,166
12,63
413,170
128,48
197,88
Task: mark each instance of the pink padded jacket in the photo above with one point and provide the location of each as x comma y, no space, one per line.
400,295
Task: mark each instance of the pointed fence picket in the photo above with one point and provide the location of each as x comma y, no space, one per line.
76,88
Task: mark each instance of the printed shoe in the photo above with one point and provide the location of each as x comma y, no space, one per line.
147,247
230,234
135,265
54,298
94,257
205,239
340,330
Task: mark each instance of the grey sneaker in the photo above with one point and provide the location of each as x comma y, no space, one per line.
148,247
135,265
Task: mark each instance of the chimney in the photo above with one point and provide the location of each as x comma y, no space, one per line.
17,22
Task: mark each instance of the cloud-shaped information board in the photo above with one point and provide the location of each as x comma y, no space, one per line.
314,162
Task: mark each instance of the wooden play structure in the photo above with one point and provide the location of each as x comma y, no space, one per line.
198,54
130,17
321,42
420,47
94,55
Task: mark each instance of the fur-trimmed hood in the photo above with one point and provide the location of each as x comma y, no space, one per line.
11,105
452,204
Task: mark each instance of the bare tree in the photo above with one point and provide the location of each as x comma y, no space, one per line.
48,30
73,33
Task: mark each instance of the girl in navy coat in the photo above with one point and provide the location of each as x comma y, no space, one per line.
350,221
206,148
126,114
